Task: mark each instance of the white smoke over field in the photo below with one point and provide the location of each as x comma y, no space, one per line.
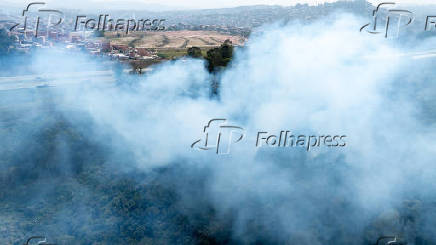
318,79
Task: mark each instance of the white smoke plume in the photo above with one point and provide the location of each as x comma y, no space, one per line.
324,78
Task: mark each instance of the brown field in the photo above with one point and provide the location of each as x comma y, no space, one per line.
174,39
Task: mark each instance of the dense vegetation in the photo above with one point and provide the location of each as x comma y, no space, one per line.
59,182
79,197
216,57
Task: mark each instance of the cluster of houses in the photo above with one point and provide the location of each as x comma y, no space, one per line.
26,41
124,52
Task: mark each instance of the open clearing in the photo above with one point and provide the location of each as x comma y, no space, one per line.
175,39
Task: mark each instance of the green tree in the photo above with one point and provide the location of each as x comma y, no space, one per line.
220,57
195,52
227,49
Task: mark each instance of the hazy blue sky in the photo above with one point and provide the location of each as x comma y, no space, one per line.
140,4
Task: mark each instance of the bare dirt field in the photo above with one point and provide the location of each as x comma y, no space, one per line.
175,39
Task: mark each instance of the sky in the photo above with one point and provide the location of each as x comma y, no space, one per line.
185,4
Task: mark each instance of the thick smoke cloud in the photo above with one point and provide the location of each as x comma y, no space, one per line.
318,79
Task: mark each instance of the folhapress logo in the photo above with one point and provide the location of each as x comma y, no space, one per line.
219,136
41,20
54,18
42,240
397,14
388,20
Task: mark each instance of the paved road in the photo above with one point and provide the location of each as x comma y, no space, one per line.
55,79
106,77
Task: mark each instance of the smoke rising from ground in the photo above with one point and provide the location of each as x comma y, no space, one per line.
312,79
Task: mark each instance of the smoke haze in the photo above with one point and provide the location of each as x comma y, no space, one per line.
318,79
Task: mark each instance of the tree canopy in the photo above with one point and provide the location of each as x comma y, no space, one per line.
219,57
195,52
